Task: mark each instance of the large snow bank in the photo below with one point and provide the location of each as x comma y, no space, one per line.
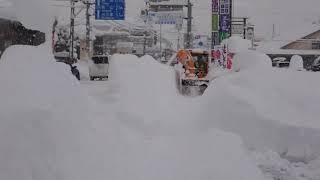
269,108
275,167
160,136
43,118
143,80
248,59
47,133
272,110
236,44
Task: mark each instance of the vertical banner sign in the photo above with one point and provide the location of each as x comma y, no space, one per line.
110,9
215,6
221,24
215,26
215,23
225,19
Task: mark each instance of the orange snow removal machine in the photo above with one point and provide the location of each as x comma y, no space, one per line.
192,70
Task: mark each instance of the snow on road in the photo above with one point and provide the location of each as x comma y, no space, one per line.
151,129
142,103
136,125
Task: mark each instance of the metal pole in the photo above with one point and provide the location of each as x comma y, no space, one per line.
160,39
88,28
189,24
245,28
53,33
178,43
144,43
231,14
72,16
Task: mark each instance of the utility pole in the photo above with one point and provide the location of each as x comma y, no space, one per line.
53,33
160,39
245,27
189,24
178,43
179,28
88,26
72,17
145,43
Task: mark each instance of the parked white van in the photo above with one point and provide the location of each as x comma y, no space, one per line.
99,67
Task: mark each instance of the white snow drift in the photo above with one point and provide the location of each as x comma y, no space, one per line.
47,133
165,142
43,118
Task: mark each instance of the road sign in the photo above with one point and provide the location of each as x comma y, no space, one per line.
167,2
250,33
238,29
173,17
110,9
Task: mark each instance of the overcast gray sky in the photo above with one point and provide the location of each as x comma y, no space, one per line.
263,13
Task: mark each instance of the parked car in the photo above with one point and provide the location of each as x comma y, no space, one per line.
280,62
316,65
99,67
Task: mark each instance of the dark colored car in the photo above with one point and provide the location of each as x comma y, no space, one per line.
316,65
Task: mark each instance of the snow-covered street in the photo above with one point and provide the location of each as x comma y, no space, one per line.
154,138
264,138
137,126
193,90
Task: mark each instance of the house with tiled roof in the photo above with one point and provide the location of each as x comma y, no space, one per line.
301,39
308,42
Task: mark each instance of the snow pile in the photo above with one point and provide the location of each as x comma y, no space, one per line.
43,118
142,80
248,59
160,138
270,109
275,167
296,63
236,44
273,105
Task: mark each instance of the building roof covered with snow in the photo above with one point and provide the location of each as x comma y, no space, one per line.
292,33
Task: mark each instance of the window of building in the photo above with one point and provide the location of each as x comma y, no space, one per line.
316,45
225,7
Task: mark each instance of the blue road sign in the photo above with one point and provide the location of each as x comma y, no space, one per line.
110,9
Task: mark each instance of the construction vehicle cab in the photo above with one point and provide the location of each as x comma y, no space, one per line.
192,70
